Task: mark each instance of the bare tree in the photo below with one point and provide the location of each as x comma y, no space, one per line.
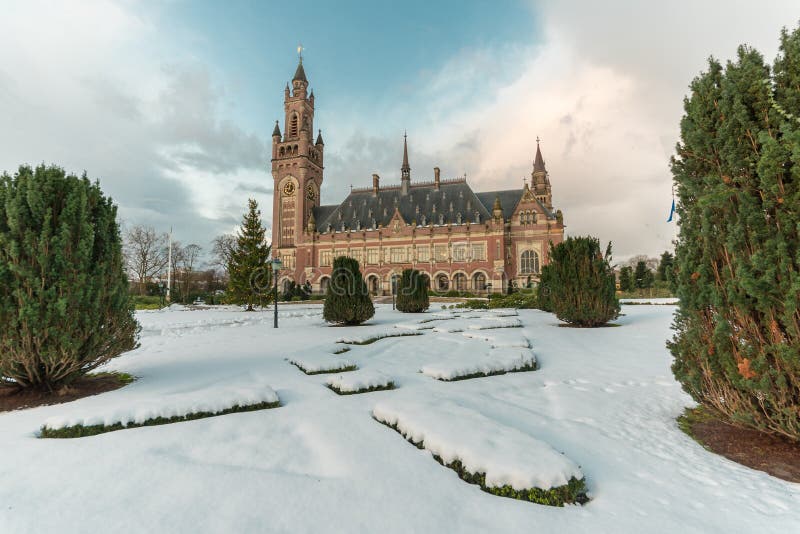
189,255
222,248
145,253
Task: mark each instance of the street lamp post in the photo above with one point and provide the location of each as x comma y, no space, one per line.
276,266
394,288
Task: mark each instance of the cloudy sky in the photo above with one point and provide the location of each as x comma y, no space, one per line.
171,104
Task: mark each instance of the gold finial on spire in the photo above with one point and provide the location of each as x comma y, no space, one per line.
300,52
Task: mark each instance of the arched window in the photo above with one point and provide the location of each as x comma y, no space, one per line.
282,151
460,282
293,126
529,262
479,281
323,284
442,283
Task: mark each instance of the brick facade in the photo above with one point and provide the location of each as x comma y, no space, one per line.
461,239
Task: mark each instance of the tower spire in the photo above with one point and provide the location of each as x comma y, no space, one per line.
405,170
538,162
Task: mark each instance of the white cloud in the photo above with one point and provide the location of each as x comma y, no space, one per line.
90,86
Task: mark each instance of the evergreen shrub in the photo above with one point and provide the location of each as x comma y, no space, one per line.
347,300
64,303
412,292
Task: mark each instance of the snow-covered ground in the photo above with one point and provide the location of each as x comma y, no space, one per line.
605,398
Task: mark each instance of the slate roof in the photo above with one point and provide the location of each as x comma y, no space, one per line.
424,204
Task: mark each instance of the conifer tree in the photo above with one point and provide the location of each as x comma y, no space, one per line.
665,266
582,283
64,303
250,274
543,290
737,273
347,300
626,278
412,292
642,276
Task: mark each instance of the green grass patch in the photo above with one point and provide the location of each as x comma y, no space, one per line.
692,416
122,378
523,369
146,302
344,369
80,431
372,340
573,492
370,389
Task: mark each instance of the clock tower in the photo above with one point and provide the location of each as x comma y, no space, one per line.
296,169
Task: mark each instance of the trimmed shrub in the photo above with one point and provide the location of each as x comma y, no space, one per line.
543,291
347,300
737,258
412,292
64,303
582,282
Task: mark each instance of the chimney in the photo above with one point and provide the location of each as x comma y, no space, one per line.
436,177
375,184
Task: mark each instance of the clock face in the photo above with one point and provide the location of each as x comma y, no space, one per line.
310,193
288,189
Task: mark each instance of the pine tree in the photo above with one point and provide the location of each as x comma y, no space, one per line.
347,300
665,266
582,283
737,261
64,303
249,269
412,292
642,276
626,278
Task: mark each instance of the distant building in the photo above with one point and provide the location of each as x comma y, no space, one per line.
460,239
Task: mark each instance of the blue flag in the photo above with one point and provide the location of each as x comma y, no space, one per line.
671,211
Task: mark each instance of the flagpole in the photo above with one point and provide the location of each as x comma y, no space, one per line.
169,265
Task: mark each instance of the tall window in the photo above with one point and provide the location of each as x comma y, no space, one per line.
325,257
398,254
440,252
293,126
459,252
479,251
423,253
372,256
529,262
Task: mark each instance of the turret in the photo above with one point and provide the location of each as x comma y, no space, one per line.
497,210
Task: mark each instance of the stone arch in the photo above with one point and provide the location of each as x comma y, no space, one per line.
324,282
479,280
373,283
282,152
460,281
441,281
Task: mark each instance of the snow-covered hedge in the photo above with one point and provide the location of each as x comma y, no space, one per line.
476,365
500,459
174,408
375,336
360,382
314,364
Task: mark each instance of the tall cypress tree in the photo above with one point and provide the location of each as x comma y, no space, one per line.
582,283
412,292
347,300
64,303
737,172
249,270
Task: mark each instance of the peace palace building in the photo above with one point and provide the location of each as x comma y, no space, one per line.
461,239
